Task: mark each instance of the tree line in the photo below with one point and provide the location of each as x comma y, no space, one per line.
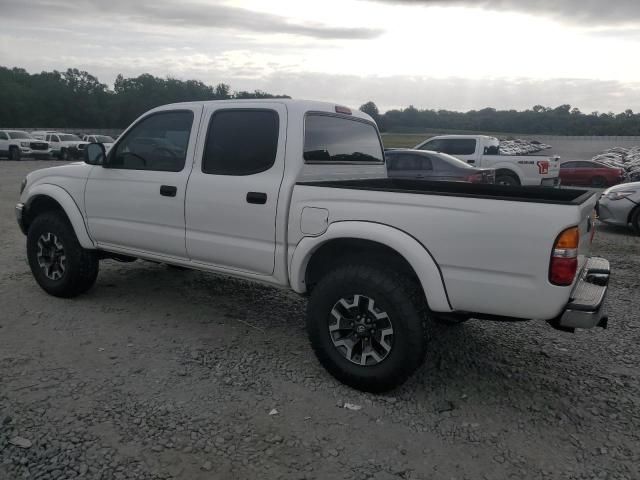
77,99
562,120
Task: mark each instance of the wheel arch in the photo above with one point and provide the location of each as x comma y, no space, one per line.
508,170
314,256
46,198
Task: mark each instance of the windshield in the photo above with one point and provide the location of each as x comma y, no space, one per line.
69,138
103,139
330,138
18,135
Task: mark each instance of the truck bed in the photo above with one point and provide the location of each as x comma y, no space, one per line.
462,189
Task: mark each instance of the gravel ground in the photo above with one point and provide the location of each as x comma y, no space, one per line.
158,373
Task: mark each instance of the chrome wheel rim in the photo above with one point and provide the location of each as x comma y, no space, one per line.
360,331
51,256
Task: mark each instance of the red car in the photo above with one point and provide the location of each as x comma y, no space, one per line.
592,174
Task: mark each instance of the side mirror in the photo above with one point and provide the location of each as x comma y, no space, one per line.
95,154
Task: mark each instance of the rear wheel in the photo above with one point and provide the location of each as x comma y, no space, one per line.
598,182
14,154
368,326
508,180
58,262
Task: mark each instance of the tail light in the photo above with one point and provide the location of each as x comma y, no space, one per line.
475,178
564,259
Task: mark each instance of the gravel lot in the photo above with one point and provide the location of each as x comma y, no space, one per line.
158,373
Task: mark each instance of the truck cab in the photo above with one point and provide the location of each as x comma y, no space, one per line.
483,151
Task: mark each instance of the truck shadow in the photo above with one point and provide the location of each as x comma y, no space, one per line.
512,365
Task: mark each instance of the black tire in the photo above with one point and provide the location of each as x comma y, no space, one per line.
635,220
80,266
507,180
397,296
598,182
14,154
64,154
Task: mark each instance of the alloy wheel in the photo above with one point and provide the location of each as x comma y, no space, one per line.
51,256
360,331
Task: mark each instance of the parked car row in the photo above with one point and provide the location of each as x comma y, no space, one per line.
16,144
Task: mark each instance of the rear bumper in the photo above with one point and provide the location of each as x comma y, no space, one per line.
550,182
586,308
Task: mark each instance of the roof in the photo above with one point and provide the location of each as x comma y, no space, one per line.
291,104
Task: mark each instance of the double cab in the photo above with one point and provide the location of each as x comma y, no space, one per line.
296,194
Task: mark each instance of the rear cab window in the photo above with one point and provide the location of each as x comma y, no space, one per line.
330,138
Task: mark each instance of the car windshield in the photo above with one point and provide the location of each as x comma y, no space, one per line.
19,135
103,139
68,138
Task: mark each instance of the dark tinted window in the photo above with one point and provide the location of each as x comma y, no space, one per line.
335,139
587,165
407,161
159,142
241,142
452,146
3,136
569,165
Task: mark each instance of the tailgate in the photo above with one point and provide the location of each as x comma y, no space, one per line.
587,228
549,167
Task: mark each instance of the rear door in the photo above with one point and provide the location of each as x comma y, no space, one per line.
405,165
232,196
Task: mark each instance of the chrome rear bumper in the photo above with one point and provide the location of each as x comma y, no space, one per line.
586,308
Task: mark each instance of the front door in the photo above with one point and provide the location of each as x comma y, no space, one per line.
136,200
232,197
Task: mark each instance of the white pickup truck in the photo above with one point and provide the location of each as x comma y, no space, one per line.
484,152
296,194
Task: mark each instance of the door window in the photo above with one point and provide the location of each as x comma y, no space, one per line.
241,142
158,142
3,136
568,165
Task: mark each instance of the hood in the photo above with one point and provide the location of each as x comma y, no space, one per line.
75,169
626,187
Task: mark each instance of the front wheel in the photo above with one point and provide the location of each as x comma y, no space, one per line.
635,220
368,326
14,154
64,154
58,262
598,182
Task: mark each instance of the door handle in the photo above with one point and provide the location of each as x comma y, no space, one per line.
258,198
168,191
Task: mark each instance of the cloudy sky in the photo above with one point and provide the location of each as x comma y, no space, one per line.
454,54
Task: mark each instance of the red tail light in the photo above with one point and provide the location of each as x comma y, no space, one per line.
564,258
475,178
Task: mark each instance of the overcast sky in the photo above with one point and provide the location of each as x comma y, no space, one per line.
454,54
